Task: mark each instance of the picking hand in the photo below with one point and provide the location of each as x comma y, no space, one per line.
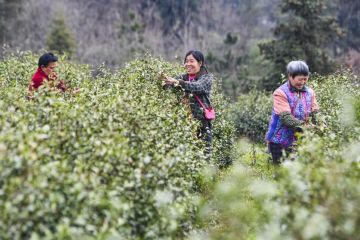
52,76
162,76
76,90
309,126
171,81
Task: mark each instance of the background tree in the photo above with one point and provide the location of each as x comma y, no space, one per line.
227,65
237,58
131,35
60,38
304,32
180,18
349,19
348,12
115,32
9,10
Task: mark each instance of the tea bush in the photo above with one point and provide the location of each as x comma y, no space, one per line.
118,159
231,210
251,115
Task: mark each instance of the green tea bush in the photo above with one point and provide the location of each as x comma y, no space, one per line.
234,208
118,159
223,129
251,114
318,194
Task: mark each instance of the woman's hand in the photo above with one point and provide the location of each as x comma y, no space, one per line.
52,76
76,90
171,81
161,76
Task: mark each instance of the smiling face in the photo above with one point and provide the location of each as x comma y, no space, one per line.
192,66
298,81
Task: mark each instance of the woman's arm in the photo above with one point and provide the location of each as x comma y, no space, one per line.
282,108
201,86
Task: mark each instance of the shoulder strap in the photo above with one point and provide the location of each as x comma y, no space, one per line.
201,103
198,99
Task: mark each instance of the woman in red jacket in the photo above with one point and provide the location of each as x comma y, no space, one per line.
46,72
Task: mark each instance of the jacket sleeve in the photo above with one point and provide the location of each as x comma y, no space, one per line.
282,108
290,121
281,103
36,82
168,86
201,86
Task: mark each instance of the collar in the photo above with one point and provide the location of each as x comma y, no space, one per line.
293,89
41,72
198,75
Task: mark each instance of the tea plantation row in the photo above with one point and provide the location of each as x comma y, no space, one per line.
118,159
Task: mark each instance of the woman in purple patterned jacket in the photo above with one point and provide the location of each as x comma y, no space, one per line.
294,105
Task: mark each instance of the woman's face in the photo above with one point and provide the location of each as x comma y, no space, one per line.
192,65
50,69
298,81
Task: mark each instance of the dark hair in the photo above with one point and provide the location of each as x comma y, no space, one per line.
299,67
199,56
47,58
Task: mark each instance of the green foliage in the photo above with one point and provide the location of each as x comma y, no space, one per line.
173,13
118,159
251,115
235,207
321,189
303,32
349,19
131,36
357,109
227,65
334,94
237,212
241,72
60,38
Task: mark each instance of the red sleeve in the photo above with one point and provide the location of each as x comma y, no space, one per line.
36,82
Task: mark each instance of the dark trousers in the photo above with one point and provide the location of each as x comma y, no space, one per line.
277,152
204,133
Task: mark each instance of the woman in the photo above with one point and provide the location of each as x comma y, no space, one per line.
294,105
196,83
46,74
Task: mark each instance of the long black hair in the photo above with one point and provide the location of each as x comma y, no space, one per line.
199,56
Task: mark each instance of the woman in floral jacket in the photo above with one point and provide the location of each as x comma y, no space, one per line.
294,105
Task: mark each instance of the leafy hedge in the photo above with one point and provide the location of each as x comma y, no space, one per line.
251,115
119,159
